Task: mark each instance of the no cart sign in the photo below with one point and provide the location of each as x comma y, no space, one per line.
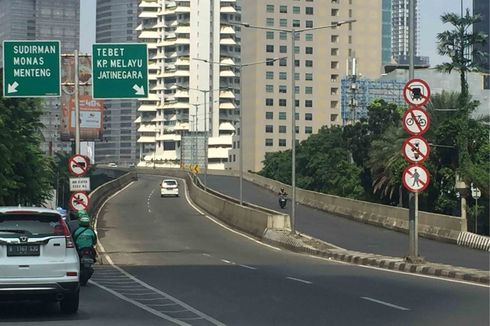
79,201
416,92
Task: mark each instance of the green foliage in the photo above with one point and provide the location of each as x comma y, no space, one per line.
26,172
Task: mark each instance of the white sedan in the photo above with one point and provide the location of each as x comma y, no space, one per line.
169,187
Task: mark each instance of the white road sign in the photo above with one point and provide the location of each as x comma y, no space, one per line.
416,92
79,184
416,121
78,165
415,178
416,149
79,201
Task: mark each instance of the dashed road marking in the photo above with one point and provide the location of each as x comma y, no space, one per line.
298,280
385,303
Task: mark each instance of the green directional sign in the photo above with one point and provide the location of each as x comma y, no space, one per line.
31,68
120,70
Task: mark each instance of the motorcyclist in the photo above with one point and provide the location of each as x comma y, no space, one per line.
282,193
84,236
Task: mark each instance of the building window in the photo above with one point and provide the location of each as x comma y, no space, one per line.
334,64
308,116
308,130
269,75
269,142
270,8
283,9
308,76
282,142
283,75
283,62
308,90
334,52
283,89
309,37
309,50
309,10
269,22
282,129
296,90
309,24
283,49
334,91
269,101
269,48
283,22
269,129
269,115
309,63
296,76
296,10
269,88
283,36
296,103
334,78
269,35
269,62
282,102
335,12
334,38
308,103
333,104
296,23
282,115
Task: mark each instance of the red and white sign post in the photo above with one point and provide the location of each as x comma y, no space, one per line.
78,165
415,177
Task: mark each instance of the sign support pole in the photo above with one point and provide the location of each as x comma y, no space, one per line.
413,198
77,106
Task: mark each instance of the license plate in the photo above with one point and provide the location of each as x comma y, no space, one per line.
22,250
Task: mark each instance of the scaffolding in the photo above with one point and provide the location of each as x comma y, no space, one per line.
357,93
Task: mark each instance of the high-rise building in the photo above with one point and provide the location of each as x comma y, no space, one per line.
399,33
482,8
322,58
386,32
189,97
116,22
44,20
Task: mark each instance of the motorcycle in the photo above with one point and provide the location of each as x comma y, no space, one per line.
87,260
282,201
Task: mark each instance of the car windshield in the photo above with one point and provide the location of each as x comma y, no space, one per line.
170,182
11,225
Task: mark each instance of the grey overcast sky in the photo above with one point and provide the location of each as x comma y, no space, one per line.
430,24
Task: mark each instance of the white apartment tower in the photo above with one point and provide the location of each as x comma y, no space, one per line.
189,98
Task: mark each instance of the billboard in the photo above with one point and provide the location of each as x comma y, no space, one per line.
91,110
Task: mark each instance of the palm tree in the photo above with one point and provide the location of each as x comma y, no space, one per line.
459,45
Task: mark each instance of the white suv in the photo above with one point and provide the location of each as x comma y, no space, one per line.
38,259
169,187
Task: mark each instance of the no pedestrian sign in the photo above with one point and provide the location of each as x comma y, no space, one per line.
31,68
120,70
415,178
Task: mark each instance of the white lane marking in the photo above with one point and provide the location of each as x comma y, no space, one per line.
207,255
246,266
401,272
385,303
299,280
226,261
220,223
161,304
140,305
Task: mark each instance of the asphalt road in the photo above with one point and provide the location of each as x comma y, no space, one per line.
350,234
173,265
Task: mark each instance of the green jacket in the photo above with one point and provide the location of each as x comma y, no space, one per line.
84,237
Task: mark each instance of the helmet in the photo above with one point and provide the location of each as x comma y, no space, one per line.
84,220
82,213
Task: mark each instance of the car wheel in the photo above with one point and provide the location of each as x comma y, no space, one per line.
69,304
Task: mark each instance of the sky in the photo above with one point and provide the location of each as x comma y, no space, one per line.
430,24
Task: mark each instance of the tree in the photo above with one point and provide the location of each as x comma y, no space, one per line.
26,172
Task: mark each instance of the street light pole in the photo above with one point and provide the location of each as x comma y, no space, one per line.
240,134
293,33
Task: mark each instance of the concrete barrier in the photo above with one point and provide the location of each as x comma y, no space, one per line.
101,193
431,225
